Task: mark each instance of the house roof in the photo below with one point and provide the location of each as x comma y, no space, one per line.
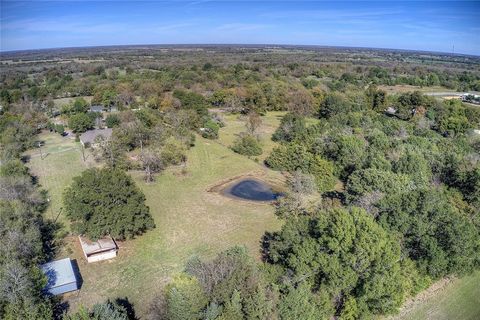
59,273
96,108
101,245
90,135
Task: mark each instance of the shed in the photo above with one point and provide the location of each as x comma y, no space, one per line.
99,250
60,276
88,137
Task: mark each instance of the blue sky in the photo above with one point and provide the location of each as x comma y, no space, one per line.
418,25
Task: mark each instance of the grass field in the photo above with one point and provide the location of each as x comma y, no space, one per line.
459,300
58,162
189,220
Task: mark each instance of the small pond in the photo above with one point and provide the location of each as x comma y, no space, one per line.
253,190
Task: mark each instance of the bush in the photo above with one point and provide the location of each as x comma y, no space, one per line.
80,105
81,122
173,152
60,129
112,120
100,311
334,103
210,130
290,127
247,145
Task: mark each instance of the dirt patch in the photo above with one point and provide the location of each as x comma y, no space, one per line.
259,175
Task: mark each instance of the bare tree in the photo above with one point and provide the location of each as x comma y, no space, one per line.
301,102
253,123
82,150
151,163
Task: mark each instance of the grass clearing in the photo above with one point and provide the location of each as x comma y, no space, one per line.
189,220
458,300
61,161
65,101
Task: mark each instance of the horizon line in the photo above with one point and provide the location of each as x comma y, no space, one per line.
240,44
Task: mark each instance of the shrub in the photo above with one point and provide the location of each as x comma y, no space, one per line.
290,127
210,130
112,120
247,145
60,129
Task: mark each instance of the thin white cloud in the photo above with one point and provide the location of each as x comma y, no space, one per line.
331,14
171,27
234,27
64,24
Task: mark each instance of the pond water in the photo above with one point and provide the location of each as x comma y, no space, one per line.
254,190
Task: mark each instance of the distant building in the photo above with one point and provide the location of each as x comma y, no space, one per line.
100,108
60,277
96,108
99,250
88,138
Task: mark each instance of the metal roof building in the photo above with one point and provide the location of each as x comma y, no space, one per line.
61,277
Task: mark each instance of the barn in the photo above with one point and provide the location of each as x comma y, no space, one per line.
60,277
102,249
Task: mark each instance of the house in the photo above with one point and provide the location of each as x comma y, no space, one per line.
88,138
60,276
99,250
100,108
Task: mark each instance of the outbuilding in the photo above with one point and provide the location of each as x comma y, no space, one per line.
60,277
99,250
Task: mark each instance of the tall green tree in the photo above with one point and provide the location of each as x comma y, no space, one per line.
343,253
106,201
185,298
81,122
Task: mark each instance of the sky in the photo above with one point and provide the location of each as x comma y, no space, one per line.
419,25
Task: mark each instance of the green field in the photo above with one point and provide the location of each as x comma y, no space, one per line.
189,220
459,300
55,164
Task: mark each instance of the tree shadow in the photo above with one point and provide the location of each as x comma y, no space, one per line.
25,158
265,246
51,242
334,199
60,308
125,303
